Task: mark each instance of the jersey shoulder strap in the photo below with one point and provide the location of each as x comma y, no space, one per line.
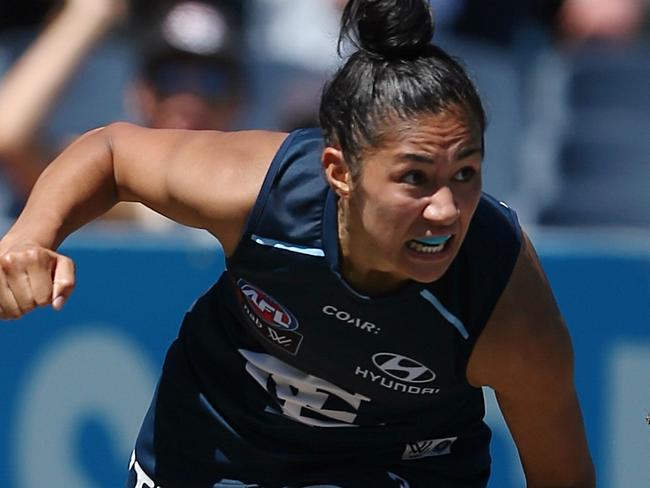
290,204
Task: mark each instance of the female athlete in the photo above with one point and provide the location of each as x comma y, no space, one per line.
371,288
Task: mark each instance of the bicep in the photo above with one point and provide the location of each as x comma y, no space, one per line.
525,354
204,179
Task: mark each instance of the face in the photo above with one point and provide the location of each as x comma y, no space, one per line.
406,215
189,111
182,94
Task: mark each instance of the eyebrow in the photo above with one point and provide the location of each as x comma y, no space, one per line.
469,151
417,158
428,159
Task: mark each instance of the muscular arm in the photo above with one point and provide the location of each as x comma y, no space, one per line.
525,354
205,179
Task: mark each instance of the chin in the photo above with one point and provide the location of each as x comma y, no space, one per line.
428,276
426,268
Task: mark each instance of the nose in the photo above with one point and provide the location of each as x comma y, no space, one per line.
442,209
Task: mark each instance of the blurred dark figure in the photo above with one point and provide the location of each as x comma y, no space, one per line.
504,21
605,20
190,73
602,152
24,13
182,58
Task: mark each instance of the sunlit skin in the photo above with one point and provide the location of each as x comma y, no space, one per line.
424,180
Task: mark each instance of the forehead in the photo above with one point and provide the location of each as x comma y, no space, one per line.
442,130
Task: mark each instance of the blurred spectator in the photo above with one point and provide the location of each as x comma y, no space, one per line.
497,22
502,21
293,46
187,75
301,34
614,20
24,13
33,84
190,74
562,100
592,117
530,59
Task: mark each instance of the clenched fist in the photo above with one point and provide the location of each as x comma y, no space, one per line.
32,276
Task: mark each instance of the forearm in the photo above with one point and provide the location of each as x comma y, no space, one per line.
75,188
33,84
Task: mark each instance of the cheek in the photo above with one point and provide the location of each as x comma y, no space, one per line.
390,220
467,195
393,206
468,205
467,208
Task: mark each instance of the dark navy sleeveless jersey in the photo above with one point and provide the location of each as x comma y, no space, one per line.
282,368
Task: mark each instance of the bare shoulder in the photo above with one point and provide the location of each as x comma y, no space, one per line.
207,179
525,355
525,332
237,147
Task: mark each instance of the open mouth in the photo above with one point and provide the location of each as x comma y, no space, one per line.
429,245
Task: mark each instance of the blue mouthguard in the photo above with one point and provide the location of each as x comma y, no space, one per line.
434,241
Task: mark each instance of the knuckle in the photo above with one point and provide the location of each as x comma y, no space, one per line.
7,261
22,258
12,261
36,256
32,254
65,283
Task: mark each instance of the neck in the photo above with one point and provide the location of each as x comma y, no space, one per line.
356,258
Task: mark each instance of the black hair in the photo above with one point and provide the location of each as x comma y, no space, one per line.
395,74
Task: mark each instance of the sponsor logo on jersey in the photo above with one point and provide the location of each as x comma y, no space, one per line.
428,448
269,317
347,318
403,368
399,373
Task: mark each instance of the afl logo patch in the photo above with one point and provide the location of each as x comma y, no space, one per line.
265,308
402,368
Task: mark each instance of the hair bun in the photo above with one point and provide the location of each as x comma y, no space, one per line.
388,28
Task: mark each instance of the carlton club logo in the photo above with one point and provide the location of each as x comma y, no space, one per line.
270,318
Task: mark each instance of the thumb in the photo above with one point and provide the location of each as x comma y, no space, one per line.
63,281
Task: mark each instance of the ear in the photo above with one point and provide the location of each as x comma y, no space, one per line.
336,171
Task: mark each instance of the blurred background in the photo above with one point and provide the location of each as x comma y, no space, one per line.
566,87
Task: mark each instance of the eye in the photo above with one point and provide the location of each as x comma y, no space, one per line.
414,178
464,175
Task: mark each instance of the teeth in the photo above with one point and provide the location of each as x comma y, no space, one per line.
419,247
